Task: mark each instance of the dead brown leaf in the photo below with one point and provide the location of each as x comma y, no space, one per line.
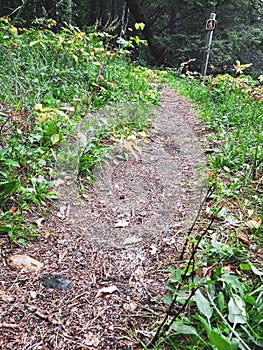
231,269
46,234
5,297
258,252
132,306
244,238
13,210
106,290
91,339
39,222
254,223
24,263
122,223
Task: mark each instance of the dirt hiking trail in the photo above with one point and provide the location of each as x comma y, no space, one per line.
105,268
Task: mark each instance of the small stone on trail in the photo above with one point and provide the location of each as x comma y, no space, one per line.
55,281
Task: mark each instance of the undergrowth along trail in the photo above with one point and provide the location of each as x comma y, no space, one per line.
50,81
51,84
215,298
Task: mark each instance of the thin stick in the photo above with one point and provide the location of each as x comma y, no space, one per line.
225,321
209,191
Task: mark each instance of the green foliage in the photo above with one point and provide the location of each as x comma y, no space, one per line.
225,311
216,296
50,85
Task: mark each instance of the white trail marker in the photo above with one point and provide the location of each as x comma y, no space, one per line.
210,26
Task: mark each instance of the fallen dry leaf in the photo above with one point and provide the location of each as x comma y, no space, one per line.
231,269
243,238
24,262
2,241
132,240
142,135
13,210
46,234
91,339
39,222
59,182
153,249
5,297
130,306
106,290
258,252
63,211
122,223
82,138
254,223
131,146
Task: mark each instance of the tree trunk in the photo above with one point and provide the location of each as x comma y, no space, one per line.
114,9
103,16
69,11
139,16
50,7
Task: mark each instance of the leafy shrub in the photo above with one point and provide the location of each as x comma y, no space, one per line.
50,85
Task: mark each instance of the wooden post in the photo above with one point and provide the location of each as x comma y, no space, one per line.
210,26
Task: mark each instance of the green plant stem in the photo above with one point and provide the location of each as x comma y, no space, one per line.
161,328
209,192
96,89
225,320
20,10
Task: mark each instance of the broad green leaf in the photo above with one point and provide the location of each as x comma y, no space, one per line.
176,275
233,282
183,328
11,162
203,304
8,187
236,310
249,266
221,301
203,321
250,300
245,267
219,341
168,298
3,151
255,270
5,229
54,139
170,286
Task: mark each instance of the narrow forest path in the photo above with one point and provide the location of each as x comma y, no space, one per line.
124,236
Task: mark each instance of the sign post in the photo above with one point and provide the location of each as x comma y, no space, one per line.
210,26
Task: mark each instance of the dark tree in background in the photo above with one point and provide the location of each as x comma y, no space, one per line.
175,29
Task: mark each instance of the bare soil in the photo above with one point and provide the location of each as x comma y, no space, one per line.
125,234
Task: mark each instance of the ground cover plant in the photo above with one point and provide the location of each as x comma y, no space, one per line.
215,295
51,86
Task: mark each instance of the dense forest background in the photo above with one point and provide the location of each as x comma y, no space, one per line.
175,29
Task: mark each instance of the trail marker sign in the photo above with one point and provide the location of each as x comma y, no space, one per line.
210,24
